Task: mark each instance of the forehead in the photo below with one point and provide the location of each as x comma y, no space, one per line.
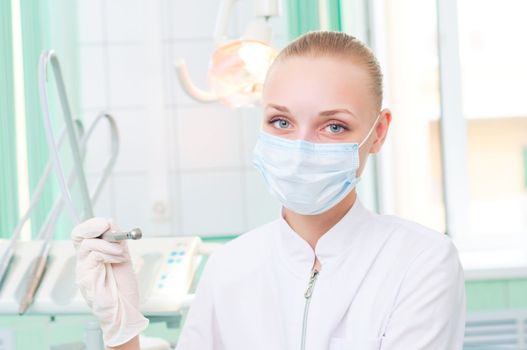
306,83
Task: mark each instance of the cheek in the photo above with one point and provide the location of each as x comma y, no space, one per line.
266,127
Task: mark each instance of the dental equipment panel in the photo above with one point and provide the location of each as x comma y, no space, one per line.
164,267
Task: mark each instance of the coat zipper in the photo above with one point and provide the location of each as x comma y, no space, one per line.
307,296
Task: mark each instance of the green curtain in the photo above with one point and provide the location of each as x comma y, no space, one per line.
8,163
46,24
302,17
335,20
33,33
354,19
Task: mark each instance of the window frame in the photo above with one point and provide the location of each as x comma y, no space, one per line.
481,261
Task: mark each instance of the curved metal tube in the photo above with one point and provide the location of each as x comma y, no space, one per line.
110,163
46,232
8,254
47,58
191,89
79,150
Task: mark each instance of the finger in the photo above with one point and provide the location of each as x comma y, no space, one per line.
94,260
101,258
99,245
113,225
88,279
91,228
126,251
126,279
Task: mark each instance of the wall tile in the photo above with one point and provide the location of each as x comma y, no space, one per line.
124,20
279,24
133,137
279,42
251,122
93,91
243,14
90,14
196,55
210,203
208,137
98,145
172,139
191,20
175,203
127,75
131,202
103,206
262,206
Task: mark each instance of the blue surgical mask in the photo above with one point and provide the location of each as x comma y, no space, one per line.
308,178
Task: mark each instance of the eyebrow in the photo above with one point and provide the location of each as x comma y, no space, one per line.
323,113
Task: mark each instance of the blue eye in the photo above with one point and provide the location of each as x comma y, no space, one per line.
280,124
335,128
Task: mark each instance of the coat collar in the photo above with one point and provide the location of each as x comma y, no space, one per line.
299,255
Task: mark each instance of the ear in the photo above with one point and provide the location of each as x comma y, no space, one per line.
381,130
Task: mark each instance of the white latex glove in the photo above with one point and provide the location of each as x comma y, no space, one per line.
106,279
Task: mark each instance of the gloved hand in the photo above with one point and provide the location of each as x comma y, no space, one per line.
106,279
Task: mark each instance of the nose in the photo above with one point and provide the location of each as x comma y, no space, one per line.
306,134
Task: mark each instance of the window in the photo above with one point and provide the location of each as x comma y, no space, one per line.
405,41
456,159
494,72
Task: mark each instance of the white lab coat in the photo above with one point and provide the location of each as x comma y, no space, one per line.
385,283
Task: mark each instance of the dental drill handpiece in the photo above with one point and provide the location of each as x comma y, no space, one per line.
116,236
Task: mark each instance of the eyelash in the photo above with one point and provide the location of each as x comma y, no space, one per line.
344,127
276,119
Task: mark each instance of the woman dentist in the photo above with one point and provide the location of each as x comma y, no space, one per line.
328,273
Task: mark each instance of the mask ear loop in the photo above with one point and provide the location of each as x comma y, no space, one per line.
371,129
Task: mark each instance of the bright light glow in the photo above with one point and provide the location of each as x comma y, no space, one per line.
238,69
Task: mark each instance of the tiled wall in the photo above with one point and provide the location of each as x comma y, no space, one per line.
191,159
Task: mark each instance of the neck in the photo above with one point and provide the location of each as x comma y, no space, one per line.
312,227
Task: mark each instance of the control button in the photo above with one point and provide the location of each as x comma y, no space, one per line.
178,261
173,253
170,261
163,277
160,286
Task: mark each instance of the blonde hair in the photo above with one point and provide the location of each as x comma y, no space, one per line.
337,44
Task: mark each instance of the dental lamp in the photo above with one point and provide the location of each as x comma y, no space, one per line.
237,67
